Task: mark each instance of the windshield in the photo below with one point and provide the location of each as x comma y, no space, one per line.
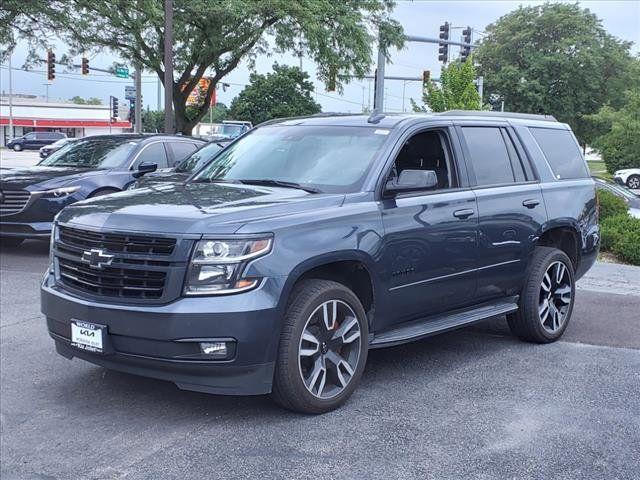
60,142
198,158
327,158
230,130
109,152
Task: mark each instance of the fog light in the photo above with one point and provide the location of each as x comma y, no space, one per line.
214,349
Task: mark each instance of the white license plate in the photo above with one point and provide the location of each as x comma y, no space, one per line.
87,336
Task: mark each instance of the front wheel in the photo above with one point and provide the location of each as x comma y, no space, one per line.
17,147
633,182
546,300
323,348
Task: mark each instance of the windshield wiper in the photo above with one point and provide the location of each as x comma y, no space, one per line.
214,180
279,183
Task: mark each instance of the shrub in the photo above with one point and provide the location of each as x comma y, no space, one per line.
620,235
611,205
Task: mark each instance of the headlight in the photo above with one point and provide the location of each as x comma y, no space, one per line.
58,192
216,265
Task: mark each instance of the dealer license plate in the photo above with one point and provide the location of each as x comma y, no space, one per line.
88,336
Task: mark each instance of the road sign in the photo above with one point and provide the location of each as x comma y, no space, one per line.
130,92
122,72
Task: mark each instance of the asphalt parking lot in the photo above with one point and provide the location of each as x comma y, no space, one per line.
25,158
475,403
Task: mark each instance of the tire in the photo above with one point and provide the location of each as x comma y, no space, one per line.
104,191
17,147
532,322
300,361
633,182
10,241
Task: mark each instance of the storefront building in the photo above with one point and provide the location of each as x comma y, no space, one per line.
35,114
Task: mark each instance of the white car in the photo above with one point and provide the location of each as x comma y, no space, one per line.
629,177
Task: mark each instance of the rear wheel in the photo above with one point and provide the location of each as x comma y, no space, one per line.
17,147
546,301
323,348
633,182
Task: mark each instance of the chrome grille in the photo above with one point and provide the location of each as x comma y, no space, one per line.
135,244
13,201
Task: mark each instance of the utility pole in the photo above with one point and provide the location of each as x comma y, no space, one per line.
480,88
10,102
404,86
137,108
168,66
46,85
159,94
378,94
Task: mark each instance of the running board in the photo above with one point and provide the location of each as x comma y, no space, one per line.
417,329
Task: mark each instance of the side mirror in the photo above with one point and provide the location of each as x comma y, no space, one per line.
143,168
412,180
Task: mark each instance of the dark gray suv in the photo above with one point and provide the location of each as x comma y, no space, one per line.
308,241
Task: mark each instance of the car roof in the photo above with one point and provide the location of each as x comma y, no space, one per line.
144,137
391,120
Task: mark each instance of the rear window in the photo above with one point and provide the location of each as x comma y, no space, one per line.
562,152
489,155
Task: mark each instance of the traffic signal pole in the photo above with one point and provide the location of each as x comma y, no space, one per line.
378,99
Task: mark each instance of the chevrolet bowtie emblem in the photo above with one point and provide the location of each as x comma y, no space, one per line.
96,258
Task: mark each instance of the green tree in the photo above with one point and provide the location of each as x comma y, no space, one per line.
284,93
455,92
152,121
89,101
556,59
620,145
211,37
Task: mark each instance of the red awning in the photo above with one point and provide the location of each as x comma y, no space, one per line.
59,123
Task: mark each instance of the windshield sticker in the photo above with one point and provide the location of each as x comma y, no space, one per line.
380,131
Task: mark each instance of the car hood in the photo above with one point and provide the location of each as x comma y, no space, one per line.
41,178
161,177
193,208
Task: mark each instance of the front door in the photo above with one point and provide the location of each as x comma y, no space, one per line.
430,244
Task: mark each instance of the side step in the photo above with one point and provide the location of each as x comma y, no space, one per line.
425,327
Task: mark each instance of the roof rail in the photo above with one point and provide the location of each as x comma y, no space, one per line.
375,117
483,113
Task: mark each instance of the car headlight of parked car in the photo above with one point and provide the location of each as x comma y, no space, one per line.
58,192
216,265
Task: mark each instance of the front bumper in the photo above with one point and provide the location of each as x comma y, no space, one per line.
35,230
618,179
161,341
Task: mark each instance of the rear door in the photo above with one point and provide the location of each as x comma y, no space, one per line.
180,151
511,209
430,239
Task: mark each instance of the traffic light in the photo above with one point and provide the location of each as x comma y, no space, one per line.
51,65
426,77
85,66
443,53
443,50
114,108
466,38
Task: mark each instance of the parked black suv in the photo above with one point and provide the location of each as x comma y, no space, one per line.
309,241
34,140
89,167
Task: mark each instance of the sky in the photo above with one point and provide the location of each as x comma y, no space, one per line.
418,17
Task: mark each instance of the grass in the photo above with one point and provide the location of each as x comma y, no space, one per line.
598,169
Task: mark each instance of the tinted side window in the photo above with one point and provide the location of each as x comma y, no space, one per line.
489,155
562,152
153,153
182,150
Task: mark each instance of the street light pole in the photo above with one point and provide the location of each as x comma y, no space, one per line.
168,66
137,109
46,85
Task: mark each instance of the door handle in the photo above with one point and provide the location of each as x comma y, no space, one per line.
531,203
464,213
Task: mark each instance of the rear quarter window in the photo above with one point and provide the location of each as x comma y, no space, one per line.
562,152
